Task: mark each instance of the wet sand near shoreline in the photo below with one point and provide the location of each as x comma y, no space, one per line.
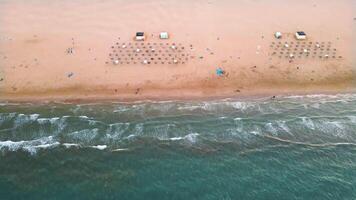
236,36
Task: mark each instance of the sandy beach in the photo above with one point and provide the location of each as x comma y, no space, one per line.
85,50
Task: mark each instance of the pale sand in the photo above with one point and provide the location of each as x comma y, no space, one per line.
34,36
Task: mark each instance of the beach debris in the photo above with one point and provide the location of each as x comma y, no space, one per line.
258,49
300,35
278,35
70,51
140,36
220,71
70,74
163,35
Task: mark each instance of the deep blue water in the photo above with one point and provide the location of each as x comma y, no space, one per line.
293,147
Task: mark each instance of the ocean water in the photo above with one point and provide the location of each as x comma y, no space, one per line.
291,147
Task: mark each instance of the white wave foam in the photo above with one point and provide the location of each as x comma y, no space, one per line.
334,128
31,146
283,126
125,149
84,136
239,125
192,137
336,125
116,130
69,145
58,123
270,128
121,109
45,146
315,105
11,104
256,132
138,129
99,147
189,107
352,119
176,138
131,136
217,105
93,122
318,96
34,116
238,105
6,116
308,122
22,119
48,120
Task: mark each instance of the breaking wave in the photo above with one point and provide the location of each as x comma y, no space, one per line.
310,119
31,146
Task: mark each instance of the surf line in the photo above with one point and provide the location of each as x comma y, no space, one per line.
308,144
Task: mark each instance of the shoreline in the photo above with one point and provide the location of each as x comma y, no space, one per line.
133,100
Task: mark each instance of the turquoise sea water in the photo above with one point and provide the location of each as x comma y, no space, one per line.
294,147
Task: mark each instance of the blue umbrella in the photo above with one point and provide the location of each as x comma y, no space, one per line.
219,71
